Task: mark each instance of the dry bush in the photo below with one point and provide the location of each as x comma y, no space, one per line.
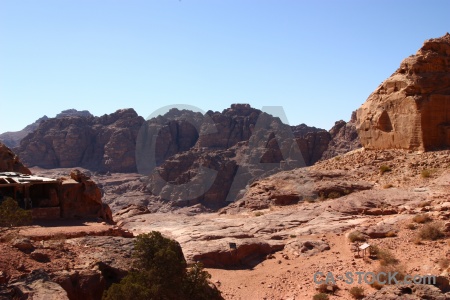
385,256
357,236
422,218
399,269
384,169
411,226
424,203
334,195
388,186
426,173
327,288
357,292
432,231
391,234
444,263
321,296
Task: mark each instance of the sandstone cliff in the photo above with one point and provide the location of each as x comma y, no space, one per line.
234,148
411,109
344,138
12,138
105,143
9,162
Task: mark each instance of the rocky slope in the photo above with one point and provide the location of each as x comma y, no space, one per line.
9,162
12,139
105,143
305,215
410,109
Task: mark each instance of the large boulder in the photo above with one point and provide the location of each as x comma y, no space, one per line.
82,198
411,109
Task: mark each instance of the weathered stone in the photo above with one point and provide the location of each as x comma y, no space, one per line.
306,247
411,109
9,162
82,198
40,256
344,138
23,244
105,143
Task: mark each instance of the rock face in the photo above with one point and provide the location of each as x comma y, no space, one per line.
411,109
232,149
12,138
9,162
344,138
105,143
81,197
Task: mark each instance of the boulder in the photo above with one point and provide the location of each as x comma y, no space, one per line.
410,292
40,256
23,244
411,109
82,198
306,247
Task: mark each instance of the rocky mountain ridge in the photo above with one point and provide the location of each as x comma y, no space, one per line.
12,139
103,143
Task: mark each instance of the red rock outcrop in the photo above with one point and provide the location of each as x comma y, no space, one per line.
9,162
411,109
82,198
235,146
12,138
344,138
105,143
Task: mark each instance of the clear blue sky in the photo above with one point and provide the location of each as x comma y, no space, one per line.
320,60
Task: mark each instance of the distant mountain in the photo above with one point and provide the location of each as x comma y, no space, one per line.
78,139
12,138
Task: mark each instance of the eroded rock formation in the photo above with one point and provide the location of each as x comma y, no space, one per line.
105,143
9,162
231,149
12,138
411,109
81,197
344,138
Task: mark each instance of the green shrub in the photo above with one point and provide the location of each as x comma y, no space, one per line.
160,273
384,169
431,232
258,213
321,296
357,292
357,236
422,218
11,215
